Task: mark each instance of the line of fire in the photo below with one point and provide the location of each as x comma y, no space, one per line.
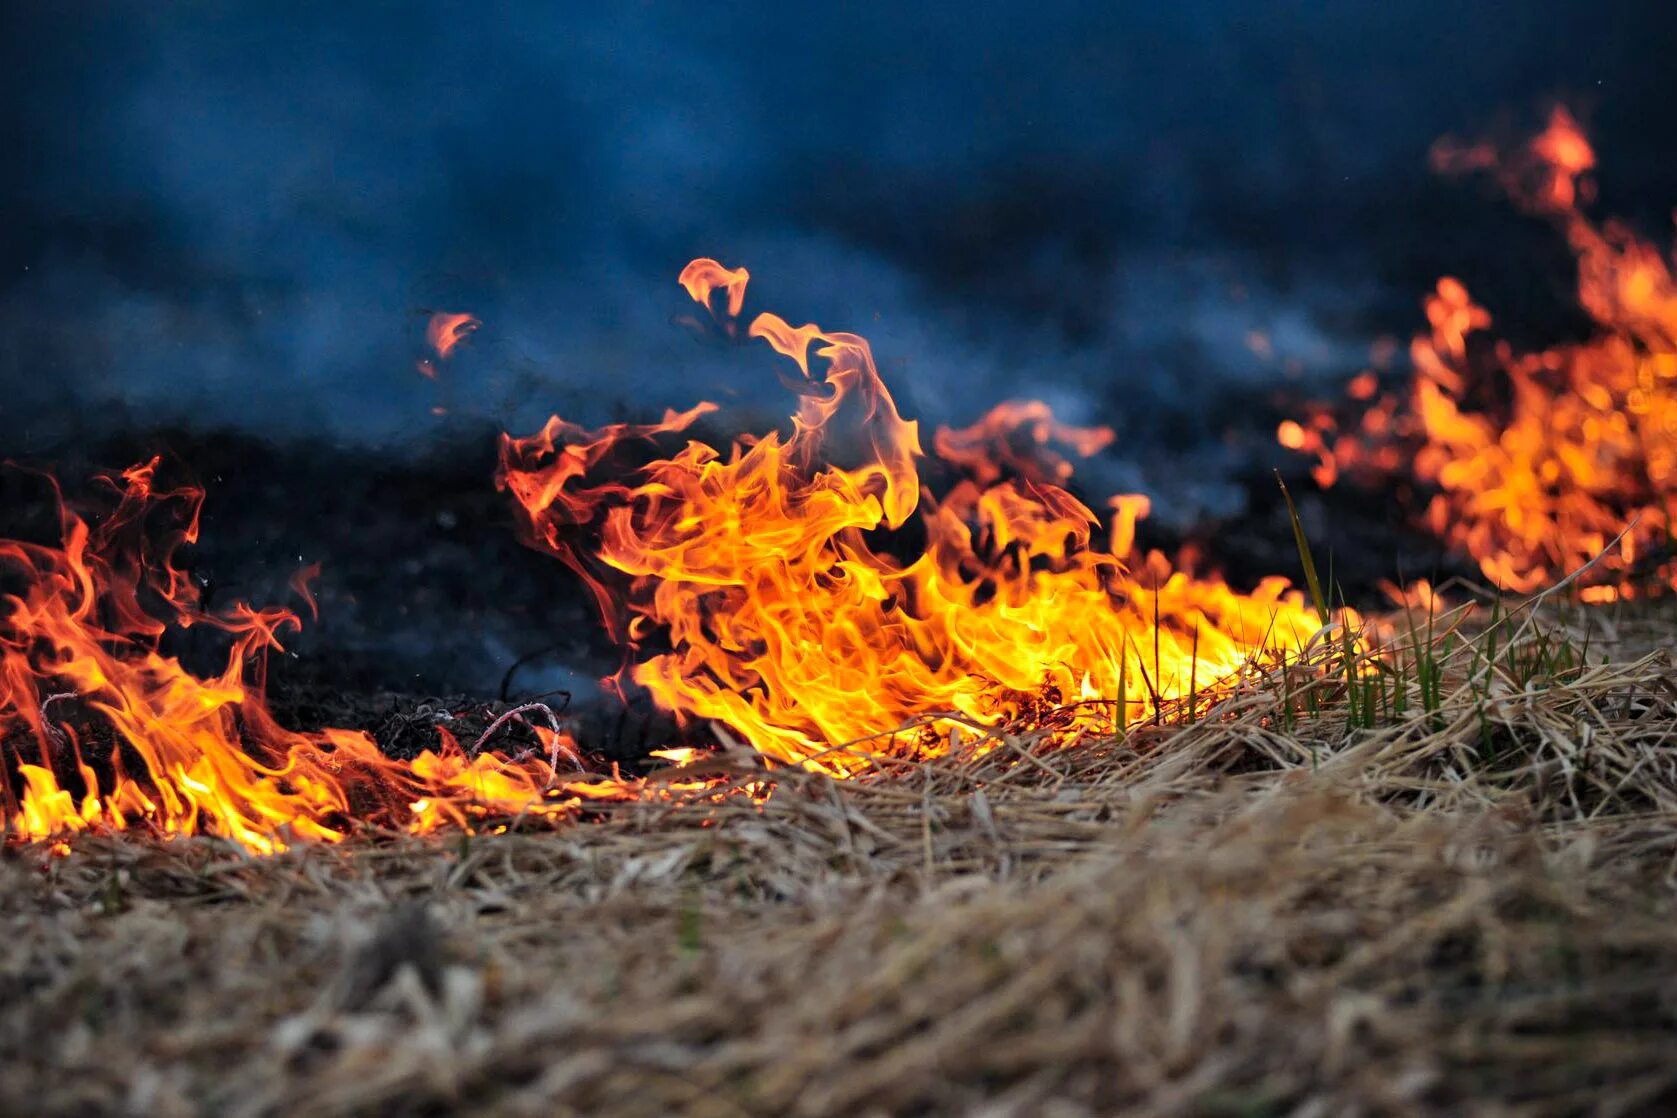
846,590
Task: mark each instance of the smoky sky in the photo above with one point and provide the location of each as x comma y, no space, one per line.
239,215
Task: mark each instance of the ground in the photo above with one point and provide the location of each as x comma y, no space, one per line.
1467,908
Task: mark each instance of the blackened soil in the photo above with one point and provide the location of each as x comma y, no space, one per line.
1362,539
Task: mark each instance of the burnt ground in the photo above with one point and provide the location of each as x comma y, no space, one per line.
1363,539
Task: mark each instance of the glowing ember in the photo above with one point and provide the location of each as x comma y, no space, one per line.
105,731
1541,459
809,590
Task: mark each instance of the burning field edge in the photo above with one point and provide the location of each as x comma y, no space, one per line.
1463,905
1106,833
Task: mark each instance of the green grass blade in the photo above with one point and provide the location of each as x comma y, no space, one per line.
1317,598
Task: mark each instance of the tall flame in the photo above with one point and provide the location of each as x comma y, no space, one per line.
809,590
1540,460
100,729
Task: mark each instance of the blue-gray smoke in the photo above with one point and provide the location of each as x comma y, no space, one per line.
240,215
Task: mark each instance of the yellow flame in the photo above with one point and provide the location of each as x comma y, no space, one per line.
809,590
80,634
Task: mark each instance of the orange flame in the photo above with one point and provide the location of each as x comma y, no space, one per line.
104,730
443,333
809,591
987,449
1540,460
447,329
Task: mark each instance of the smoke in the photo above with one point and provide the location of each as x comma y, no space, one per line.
242,217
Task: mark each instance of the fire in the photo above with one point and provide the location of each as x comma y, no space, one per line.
987,449
1539,460
104,730
447,329
801,591
813,590
443,333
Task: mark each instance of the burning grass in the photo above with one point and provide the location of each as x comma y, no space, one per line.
1463,905
1534,460
801,592
1007,819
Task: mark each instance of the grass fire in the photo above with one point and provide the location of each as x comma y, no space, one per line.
1543,462
867,741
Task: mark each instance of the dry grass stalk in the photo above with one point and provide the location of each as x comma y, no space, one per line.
1462,907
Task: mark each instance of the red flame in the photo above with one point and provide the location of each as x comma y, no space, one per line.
443,333
988,452
447,329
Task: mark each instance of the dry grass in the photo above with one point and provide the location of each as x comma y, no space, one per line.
1467,908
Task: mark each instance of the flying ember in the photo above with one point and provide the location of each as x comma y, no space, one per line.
838,586
1538,461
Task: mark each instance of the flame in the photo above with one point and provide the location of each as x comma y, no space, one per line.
987,450
443,333
1539,460
809,590
104,730
447,329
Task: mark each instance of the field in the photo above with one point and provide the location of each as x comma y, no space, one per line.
1447,889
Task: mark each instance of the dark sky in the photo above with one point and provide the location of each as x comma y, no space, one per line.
239,214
